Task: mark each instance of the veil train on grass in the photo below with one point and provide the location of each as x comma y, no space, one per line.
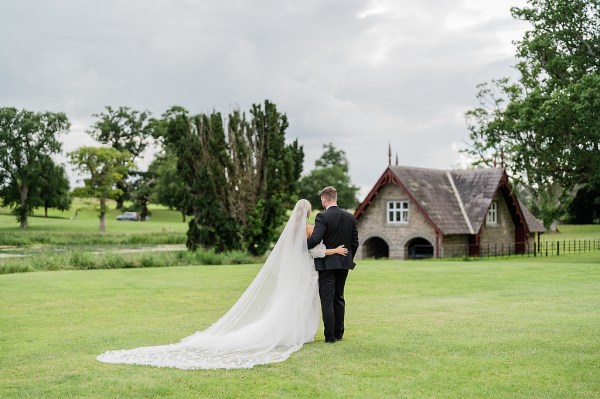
273,318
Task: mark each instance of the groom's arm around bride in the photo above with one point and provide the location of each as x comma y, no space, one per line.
334,227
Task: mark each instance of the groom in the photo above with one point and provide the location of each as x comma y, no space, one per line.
335,227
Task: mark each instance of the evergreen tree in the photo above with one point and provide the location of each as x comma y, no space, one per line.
200,146
239,183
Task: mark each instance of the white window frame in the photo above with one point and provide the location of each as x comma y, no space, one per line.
398,212
492,216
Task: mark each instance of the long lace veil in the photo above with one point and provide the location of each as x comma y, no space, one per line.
274,317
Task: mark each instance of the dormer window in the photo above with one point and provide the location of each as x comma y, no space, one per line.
492,216
397,212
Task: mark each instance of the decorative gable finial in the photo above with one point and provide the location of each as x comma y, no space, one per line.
502,157
389,154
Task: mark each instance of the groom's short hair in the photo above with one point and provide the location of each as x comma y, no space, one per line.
330,194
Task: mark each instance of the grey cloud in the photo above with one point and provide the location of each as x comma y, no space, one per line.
355,73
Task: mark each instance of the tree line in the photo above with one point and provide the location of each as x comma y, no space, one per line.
235,176
545,125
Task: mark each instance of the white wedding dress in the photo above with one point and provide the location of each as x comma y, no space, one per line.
273,318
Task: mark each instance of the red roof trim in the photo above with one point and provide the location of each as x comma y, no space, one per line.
389,177
504,182
386,178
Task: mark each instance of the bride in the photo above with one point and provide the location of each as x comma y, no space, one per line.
273,318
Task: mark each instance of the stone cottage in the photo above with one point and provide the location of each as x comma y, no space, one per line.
416,213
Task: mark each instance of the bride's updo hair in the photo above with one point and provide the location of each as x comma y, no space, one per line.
303,207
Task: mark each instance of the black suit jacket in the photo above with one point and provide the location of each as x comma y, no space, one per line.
335,227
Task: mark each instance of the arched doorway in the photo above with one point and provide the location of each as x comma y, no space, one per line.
419,248
376,248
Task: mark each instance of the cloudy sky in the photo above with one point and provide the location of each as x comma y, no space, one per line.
357,73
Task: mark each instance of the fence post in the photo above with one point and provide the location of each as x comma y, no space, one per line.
534,252
557,247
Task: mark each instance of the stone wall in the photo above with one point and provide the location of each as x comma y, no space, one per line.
455,246
498,239
373,223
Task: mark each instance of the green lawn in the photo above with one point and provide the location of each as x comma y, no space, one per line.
511,328
64,229
87,221
573,232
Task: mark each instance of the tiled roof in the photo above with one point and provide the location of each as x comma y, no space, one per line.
433,191
477,188
533,224
456,201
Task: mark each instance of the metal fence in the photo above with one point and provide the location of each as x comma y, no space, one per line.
545,248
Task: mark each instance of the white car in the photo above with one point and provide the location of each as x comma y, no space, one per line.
129,216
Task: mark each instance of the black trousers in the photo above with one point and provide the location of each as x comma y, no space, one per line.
331,292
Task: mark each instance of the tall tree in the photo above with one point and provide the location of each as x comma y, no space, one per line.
50,191
125,130
239,183
105,167
585,207
547,122
275,173
142,189
200,146
169,189
330,170
53,190
27,142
